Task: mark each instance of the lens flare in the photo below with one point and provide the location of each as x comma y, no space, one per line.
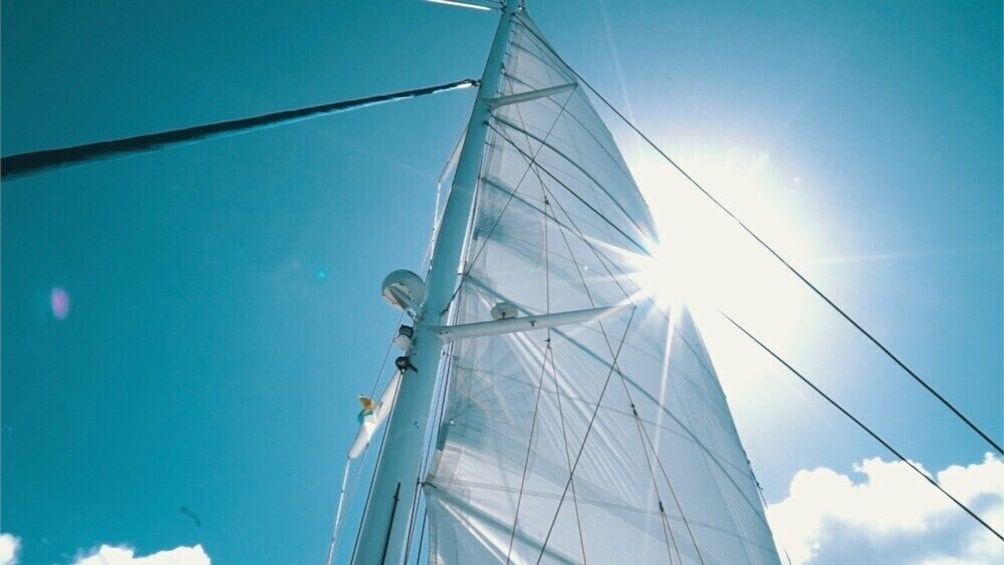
59,301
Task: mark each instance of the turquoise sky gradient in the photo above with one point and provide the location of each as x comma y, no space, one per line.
224,306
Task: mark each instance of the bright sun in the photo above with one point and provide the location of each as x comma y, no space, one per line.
706,261
704,256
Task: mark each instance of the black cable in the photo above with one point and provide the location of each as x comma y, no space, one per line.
794,271
864,427
36,162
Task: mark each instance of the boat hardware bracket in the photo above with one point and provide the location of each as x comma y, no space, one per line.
519,324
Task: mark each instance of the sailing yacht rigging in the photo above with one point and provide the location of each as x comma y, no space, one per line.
596,429
527,408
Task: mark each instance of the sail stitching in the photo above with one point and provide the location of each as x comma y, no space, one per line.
748,467
618,163
606,505
567,74
606,337
510,257
685,434
556,62
568,456
533,423
714,456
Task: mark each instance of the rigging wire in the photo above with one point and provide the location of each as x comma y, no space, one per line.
671,544
997,447
336,529
589,428
813,287
383,438
603,261
548,353
565,448
864,427
338,512
36,162
526,460
643,434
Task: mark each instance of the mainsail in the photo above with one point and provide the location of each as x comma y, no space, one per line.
600,441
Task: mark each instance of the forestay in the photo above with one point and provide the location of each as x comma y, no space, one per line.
599,442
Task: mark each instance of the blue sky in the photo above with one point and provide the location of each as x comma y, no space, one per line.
224,306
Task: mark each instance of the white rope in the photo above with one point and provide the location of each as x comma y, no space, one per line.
338,513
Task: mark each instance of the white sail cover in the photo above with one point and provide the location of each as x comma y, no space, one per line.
608,441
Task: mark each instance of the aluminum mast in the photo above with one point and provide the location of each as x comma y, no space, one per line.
384,532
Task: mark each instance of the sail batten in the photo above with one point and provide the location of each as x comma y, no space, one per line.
592,441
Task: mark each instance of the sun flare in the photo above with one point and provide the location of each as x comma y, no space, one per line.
702,255
704,260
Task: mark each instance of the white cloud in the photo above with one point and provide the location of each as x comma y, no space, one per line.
9,547
117,555
892,515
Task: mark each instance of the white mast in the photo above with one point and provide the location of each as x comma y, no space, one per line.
384,533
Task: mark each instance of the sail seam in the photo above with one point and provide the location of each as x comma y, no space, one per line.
582,200
501,462
570,161
547,350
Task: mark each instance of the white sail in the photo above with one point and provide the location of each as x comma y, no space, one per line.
603,441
